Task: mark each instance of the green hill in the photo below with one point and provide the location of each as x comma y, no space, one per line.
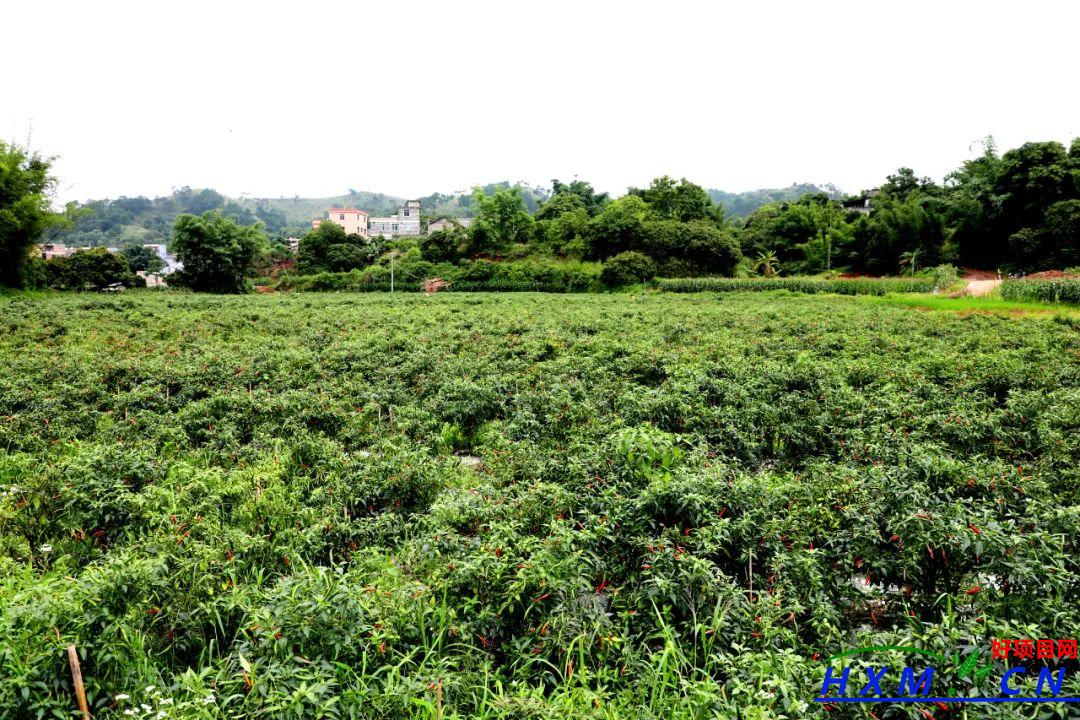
743,203
135,221
128,221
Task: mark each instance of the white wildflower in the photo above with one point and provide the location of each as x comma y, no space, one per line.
208,699
46,549
145,707
121,696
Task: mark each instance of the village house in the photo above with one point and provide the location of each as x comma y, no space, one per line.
406,222
171,263
353,221
861,203
51,250
447,223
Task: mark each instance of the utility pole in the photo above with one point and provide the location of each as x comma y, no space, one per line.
393,254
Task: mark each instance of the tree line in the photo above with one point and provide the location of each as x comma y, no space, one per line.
1018,211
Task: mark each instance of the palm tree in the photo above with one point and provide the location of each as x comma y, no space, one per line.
767,263
910,259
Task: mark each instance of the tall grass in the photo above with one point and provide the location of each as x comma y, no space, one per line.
1065,290
855,286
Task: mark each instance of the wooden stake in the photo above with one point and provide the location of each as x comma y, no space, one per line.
76,676
438,700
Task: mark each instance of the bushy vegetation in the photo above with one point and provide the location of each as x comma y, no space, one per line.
1065,290
217,253
89,269
25,184
533,275
628,268
854,286
503,506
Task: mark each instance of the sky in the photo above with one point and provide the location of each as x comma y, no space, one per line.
313,98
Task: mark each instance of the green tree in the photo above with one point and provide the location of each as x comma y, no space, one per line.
448,245
592,201
690,248
767,263
1054,243
910,260
618,228
683,200
342,257
215,251
25,211
998,206
502,219
143,258
807,236
89,269
328,249
559,204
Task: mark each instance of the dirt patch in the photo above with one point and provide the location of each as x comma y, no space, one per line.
978,288
976,274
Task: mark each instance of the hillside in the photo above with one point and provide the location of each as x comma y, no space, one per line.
135,221
300,211
742,204
128,221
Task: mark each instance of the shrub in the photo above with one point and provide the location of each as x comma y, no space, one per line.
943,276
445,245
627,268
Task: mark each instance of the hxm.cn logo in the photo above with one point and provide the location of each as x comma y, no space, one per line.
1025,671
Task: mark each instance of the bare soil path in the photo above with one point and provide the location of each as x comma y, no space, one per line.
978,288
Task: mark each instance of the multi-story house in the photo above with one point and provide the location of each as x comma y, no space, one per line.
353,221
406,222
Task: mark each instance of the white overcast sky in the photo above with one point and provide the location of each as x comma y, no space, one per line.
312,98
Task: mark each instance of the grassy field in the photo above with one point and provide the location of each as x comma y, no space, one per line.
989,305
640,506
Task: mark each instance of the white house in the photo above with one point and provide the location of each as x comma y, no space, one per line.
406,222
171,263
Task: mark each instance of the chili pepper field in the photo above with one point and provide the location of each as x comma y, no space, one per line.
522,505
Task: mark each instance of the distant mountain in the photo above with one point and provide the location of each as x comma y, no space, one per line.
140,220
743,203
